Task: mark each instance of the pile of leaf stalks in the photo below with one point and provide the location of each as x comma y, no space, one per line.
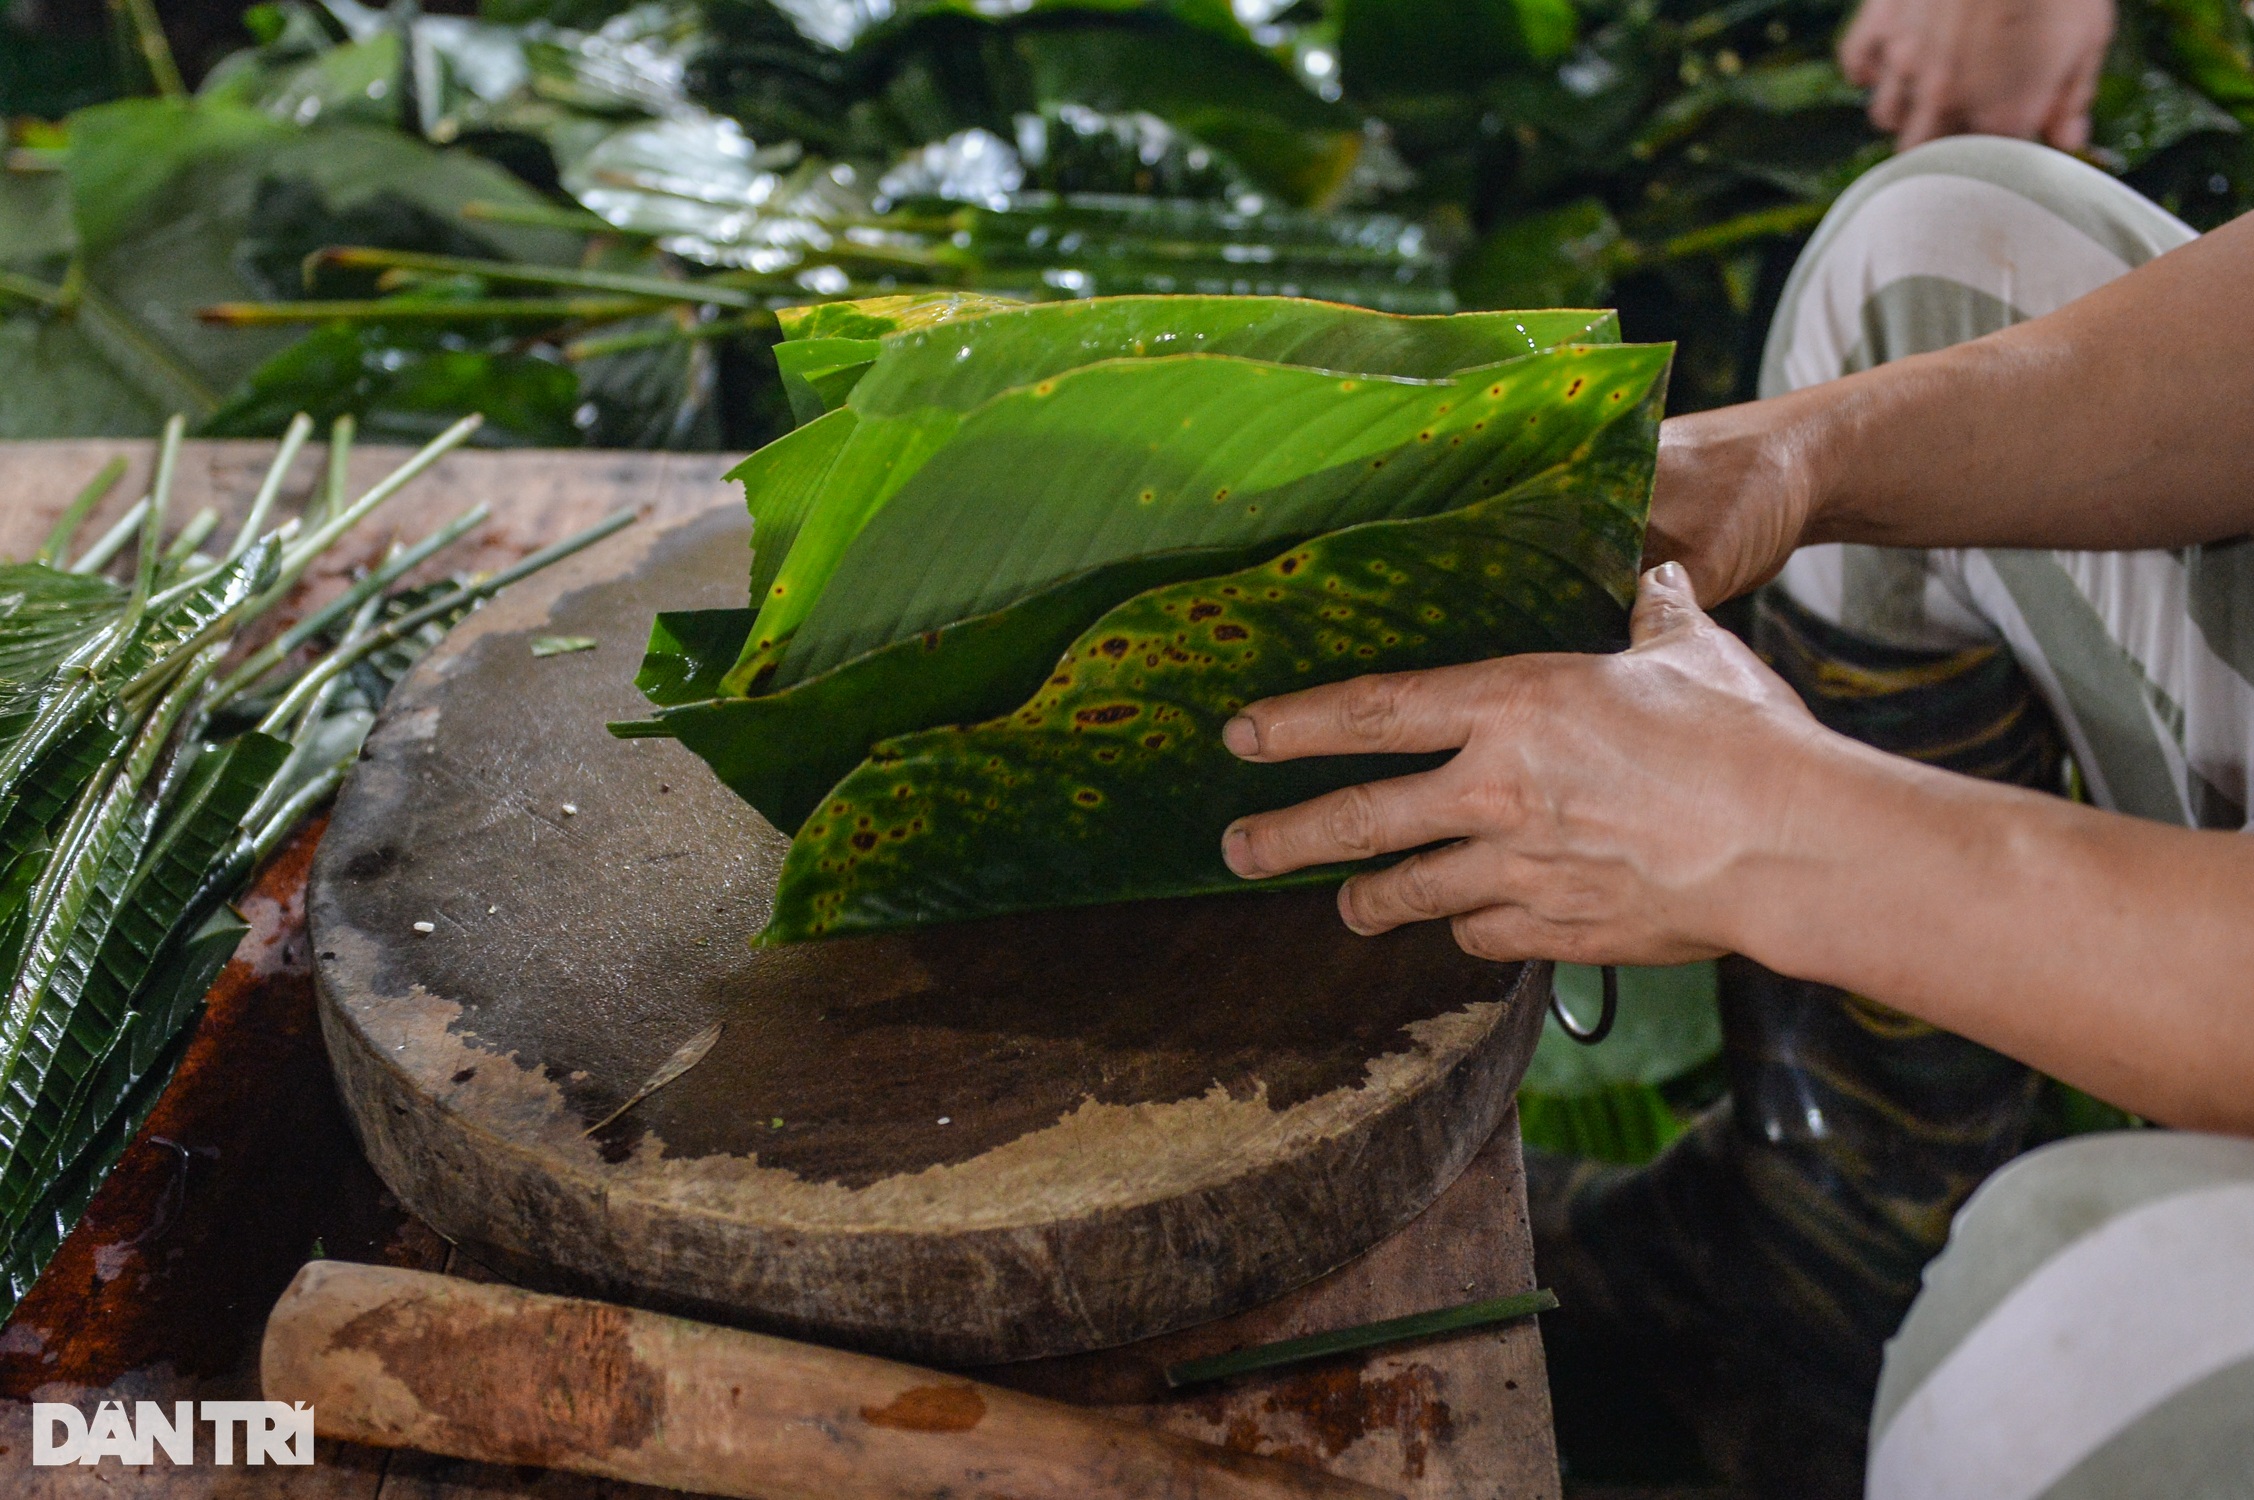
148,765
580,217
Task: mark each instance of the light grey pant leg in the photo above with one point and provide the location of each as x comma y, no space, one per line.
2088,1334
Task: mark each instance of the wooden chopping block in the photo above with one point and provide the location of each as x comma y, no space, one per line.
402,1358
958,1145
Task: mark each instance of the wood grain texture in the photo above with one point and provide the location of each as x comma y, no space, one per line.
408,1359
1027,1136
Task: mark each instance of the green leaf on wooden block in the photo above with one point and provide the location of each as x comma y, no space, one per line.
782,751
1006,590
1121,458
1111,783
812,492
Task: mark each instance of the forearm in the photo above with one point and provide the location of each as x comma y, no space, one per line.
2113,953
2125,419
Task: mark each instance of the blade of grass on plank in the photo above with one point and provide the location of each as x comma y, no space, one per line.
1479,1314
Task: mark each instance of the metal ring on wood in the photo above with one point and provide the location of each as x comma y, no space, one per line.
1606,1015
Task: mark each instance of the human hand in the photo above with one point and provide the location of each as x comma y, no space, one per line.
1598,810
1733,496
2024,68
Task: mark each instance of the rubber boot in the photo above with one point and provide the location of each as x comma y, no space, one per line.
1746,1280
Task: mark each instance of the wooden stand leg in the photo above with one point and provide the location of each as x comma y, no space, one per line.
1453,1418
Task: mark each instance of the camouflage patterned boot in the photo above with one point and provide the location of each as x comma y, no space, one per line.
1748,1278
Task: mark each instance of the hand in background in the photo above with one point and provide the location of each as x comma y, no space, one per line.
2025,68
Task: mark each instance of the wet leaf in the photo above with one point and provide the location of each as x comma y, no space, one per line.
781,751
1111,783
163,195
1116,459
813,492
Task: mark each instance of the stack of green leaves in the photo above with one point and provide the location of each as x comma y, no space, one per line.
147,767
1019,565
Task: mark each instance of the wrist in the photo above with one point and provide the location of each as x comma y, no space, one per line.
1827,804
1809,440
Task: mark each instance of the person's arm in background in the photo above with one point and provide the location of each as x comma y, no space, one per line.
2024,68
2119,421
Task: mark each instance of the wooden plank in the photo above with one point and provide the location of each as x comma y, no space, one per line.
1452,1418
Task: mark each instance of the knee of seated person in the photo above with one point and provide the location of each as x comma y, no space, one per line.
2056,1192
1984,156
2041,1202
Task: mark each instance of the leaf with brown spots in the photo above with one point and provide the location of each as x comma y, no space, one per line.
781,751
1113,784
813,492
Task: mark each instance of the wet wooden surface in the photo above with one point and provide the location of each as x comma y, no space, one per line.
249,1166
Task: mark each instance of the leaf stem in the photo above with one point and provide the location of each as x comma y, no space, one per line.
318,540
111,542
309,719
152,521
191,536
416,310
81,506
270,488
156,51
26,289
341,433
337,661
267,657
511,273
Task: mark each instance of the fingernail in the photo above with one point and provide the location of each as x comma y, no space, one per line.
1236,850
1241,736
1346,911
1671,575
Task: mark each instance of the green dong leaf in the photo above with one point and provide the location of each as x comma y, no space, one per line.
845,466
1112,784
1122,459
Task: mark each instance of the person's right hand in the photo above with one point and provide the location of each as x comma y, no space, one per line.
1733,496
2025,68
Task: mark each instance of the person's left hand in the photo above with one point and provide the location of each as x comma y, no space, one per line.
1598,810
2026,68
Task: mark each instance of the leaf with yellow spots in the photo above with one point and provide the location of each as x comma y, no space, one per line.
1111,783
813,491
1046,481
1007,590
781,751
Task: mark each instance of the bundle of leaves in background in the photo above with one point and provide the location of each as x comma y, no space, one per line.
1015,577
146,769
